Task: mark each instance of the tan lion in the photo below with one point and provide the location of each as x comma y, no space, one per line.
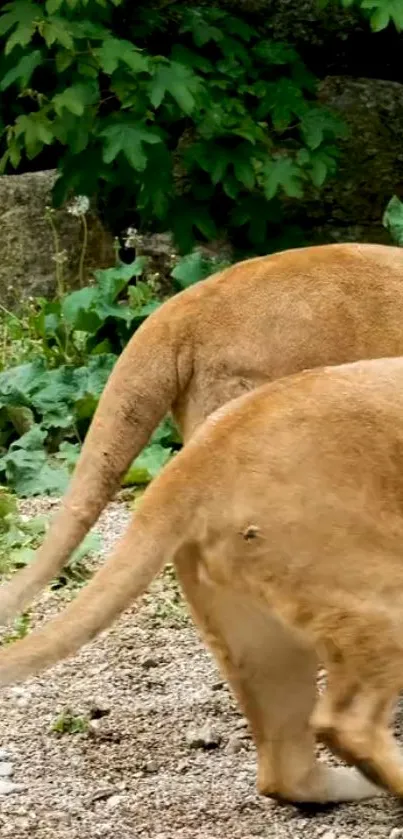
254,322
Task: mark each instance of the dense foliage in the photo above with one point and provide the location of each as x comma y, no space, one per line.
380,13
66,349
183,115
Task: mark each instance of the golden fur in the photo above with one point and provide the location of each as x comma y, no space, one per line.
255,322
289,502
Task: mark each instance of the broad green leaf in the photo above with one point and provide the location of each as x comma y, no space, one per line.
69,453
53,6
111,281
275,52
77,309
58,30
319,123
201,29
147,465
129,139
37,131
91,544
91,379
190,269
20,16
393,219
384,11
22,71
283,99
282,173
75,98
177,80
114,51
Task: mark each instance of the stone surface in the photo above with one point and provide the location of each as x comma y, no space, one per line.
203,738
351,205
27,247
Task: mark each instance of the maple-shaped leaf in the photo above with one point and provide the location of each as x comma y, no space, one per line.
282,173
177,80
22,71
76,98
283,100
384,11
128,138
114,51
319,123
37,131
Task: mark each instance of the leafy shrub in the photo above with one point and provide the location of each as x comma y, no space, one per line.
184,116
69,347
380,13
393,219
20,536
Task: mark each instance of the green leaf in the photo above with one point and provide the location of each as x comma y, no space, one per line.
53,6
128,138
147,465
275,52
91,379
111,281
69,454
177,80
196,22
91,544
383,12
78,312
58,30
190,269
317,124
393,219
20,16
23,70
27,469
115,51
37,131
283,99
75,98
282,173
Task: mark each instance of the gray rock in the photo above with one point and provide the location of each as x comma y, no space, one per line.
235,744
27,266
6,769
8,787
203,738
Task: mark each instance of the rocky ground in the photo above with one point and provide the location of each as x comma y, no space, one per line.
161,751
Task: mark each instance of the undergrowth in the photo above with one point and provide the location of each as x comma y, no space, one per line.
56,358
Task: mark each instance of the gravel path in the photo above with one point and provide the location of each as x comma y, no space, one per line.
165,754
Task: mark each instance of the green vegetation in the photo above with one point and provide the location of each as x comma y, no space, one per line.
68,347
185,113
19,537
184,117
69,723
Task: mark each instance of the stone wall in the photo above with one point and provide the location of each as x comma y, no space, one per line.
27,248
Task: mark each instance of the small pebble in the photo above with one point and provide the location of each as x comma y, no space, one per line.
148,661
235,744
151,767
4,754
7,787
6,769
330,834
396,833
114,801
203,738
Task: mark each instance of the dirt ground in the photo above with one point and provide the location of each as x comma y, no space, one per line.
149,689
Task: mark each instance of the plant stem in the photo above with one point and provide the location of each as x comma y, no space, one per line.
83,251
